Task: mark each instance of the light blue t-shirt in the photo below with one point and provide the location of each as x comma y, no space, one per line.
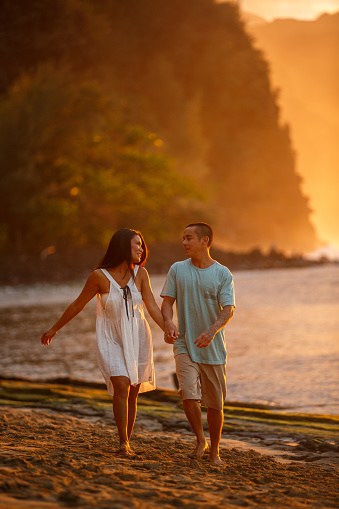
200,296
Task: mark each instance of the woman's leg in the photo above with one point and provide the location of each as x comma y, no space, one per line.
121,386
132,408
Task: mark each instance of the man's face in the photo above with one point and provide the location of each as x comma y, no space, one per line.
191,242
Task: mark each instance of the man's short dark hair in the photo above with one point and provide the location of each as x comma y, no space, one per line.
203,230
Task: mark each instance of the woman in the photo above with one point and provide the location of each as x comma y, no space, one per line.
124,341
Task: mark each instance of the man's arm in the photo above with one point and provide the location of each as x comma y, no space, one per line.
171,332
207,337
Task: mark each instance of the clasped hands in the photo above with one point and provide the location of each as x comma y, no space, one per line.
172,333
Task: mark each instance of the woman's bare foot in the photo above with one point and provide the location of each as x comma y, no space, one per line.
125,450
215,459
199,451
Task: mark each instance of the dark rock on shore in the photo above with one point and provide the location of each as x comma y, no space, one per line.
75,265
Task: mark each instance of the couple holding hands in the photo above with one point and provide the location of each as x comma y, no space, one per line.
203,291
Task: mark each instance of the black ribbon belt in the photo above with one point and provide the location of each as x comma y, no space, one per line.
127,295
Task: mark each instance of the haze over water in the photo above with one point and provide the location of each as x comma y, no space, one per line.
282,343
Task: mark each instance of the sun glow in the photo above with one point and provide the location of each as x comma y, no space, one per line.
299,9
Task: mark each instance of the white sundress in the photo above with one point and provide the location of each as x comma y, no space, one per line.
124,340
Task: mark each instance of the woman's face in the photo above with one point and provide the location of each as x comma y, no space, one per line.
136,249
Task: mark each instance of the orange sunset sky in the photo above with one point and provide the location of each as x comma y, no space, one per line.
299,9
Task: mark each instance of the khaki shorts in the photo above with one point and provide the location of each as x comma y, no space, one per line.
203,382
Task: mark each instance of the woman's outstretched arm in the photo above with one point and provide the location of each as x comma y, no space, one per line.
91,288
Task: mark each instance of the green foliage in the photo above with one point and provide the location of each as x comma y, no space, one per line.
186,70
73,171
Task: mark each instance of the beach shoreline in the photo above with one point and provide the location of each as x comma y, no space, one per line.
59,446
76,265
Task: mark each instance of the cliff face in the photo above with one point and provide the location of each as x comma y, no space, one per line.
209,94
303,56
188,73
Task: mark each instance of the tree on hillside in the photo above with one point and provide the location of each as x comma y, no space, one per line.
189,72
248,161
73,170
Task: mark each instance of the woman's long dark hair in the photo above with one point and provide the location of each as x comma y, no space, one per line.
119,250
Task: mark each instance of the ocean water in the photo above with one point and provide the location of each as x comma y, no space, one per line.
282,343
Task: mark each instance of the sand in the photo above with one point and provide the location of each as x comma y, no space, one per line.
60,451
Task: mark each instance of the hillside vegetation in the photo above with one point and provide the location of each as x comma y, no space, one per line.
142,113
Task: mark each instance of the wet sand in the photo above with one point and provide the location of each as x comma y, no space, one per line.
59,450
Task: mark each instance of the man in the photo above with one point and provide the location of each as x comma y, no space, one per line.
204,293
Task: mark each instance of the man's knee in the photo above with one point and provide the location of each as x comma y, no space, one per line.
191,403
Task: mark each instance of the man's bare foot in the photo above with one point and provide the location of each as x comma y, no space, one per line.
125,450
215,459
199,451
